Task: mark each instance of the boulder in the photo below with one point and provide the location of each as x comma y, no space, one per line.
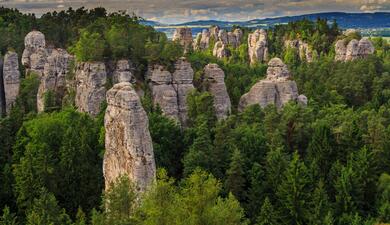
220,50
276,89
183,35
54,78
216,86
122,72
35,53
128,144
11,79
258,46
91,80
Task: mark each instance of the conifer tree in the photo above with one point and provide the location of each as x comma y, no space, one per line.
268,215
235,176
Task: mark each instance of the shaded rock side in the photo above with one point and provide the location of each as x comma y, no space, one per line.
258,46
276,89
216,86
11,79
129,148
353,50
202,40
35,53
91,79
183,35
54,77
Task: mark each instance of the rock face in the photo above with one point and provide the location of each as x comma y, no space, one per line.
276,89
304,50
258,46
122,72
129,149
183,35
11,79
216,86
170,91
220,51
35,53
353,50
202,41
214,31
91,79
54,77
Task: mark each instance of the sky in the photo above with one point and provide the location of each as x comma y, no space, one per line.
178,11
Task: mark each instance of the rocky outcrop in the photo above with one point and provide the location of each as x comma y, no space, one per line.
220,50
216,86
122,72
304,50
170,90
223,36
183,35
35,53
214,31
128,144
90,86
258,46
202,41
353,50
276,89
11,79
54,78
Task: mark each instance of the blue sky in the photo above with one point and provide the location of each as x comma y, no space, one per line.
177,11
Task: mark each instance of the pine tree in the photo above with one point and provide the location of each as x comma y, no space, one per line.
276,164
268,215
8,218
256,191
235,176
320,206
293,192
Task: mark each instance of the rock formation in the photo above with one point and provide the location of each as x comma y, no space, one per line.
129,148
214,31
170,90
202,41
183,35
90,86
54,78
304,50
276,89
220,50
216,86
35,53
11,79
353,50
258,46
223,36
122,72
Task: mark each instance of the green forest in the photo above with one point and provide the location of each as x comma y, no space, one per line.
324,164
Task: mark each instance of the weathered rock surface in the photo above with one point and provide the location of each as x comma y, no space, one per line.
35,53
170,90
11,79
91,79
54,77
122,72
214,31
258,46
202,41
216,86
129,148
223,36
183,35
276,89
304,50
353,50
220,50
163,92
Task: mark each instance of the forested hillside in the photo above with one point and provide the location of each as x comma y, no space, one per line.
223,153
